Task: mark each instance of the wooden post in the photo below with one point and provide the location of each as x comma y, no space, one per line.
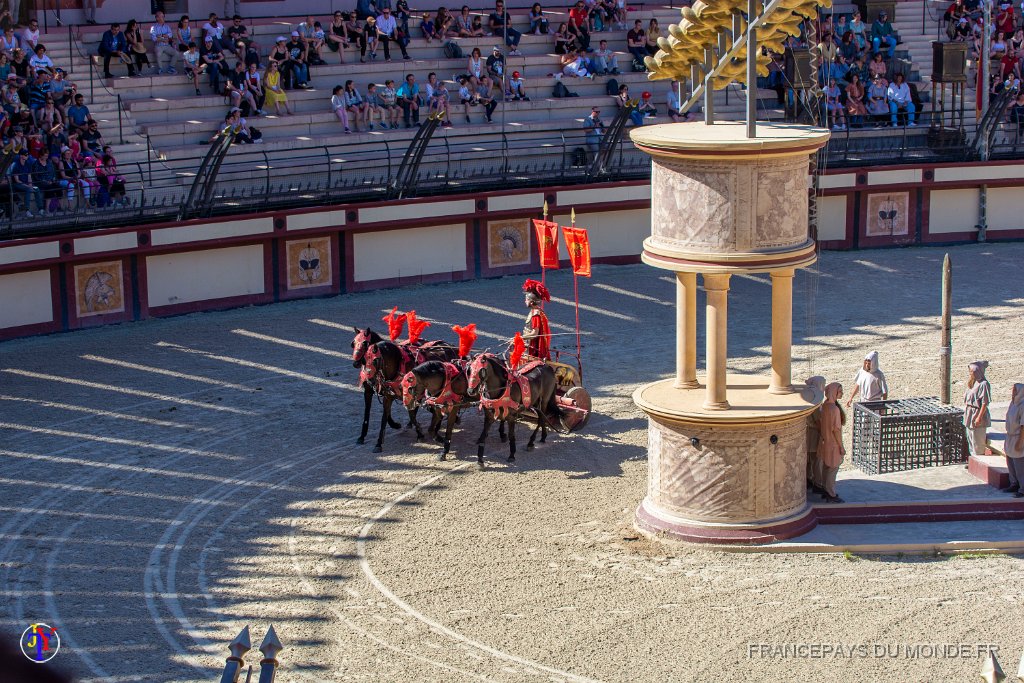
946,348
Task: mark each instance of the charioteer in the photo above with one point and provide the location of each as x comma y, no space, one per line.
537,332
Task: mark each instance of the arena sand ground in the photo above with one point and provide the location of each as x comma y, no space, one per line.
165,483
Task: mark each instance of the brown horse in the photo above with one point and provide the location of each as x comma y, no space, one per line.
441,386
506,397
364,339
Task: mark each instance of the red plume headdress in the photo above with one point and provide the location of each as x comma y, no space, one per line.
395,324
416,327
518,348
537,289
467,337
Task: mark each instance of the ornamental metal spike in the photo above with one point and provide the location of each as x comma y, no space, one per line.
572,215
991,672
271,644
241,644
545,209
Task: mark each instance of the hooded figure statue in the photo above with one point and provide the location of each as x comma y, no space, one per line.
870,382
817,386
977,399
1014,446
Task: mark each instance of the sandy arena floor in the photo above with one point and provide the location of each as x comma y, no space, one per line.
168,482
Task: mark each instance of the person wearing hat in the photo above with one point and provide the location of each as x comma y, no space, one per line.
869,383
977,399
877,104
23,174
213,59
387,31
517,88
298,53
594,129
496,64
883,32
113,44
372,36
537,330
647,108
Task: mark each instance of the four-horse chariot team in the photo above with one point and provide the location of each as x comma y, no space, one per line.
522,385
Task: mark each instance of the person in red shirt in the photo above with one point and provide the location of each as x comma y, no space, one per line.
537,332
579,22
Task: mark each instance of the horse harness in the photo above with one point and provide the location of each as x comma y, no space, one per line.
446,398
505,406
411,357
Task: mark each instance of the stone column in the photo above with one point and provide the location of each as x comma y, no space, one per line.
686,331
782,331
717,288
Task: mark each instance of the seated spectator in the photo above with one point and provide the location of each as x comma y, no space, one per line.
372,35
464,23
1017,115
636,42
578,25
40,60
336,37
355,105
1009,67
1016,42
622,101
437,98
1004,20
162,36
428,29
112,182
478,26
136,46
538,24
91,138
387,31
254,83
882,32
23,174
339,106
877,67
859,31
408,96
594,128
605,60
860,67
961,30
848,47
574,65
9,42
517,87
114,45
899,98
840,27
48,118
653,33
305,32
954,13
274,89
827,49
876,103
5,67
365,9
646,107
485,98
62,91
39,91
675,108
183,34
298,60
29,37
467,94
389,103
496,64
194,65
500,23
998,46
444,24
834,105
211,56
215,30
375,107
855,109
564,40
236,126
237,89
476,64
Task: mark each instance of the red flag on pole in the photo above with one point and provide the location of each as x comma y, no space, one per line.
578,244
547,243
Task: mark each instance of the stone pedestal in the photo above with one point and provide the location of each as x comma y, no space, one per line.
728,452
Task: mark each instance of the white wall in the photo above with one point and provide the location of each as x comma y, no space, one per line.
27,299
409,252
952,211
204,275
832,218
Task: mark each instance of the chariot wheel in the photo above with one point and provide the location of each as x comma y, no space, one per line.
576,418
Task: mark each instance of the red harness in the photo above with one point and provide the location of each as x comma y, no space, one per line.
446,398
411,357
505,406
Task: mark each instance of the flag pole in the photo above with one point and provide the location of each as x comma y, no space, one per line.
543,271
575,290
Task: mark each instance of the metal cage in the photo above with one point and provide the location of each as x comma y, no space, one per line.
906,434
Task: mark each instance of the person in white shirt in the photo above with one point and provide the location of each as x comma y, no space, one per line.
674,105
40,61
898,95
437,97
605,60
30,36
387,30
215,29
162,36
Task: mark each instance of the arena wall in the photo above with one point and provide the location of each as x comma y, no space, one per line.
68,282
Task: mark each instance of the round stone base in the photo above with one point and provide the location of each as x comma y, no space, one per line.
727,476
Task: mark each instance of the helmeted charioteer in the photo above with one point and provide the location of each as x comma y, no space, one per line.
537,332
